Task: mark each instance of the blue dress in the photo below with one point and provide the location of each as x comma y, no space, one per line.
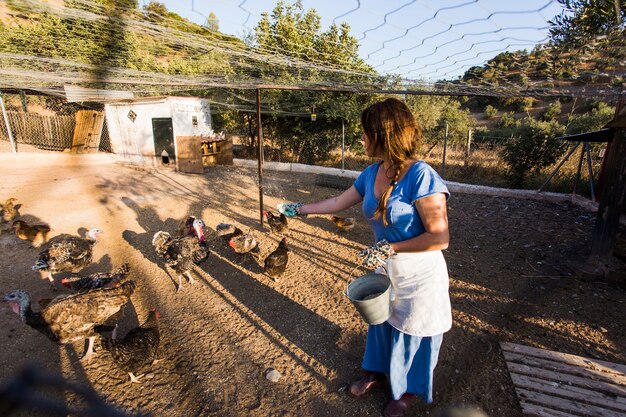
408,359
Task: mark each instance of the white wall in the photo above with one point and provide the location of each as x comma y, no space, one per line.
134,141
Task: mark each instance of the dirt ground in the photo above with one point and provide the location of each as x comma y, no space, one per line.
515,267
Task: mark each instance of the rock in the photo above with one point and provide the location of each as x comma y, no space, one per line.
273,375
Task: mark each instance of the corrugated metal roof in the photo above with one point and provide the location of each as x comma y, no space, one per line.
74,94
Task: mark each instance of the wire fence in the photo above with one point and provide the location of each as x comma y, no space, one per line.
53,133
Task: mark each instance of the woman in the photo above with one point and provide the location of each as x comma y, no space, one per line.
404,201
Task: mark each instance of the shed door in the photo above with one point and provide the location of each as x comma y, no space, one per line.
163,133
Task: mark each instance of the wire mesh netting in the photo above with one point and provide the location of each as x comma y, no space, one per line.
150,53
52,133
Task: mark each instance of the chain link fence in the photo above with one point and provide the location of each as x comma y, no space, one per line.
105,140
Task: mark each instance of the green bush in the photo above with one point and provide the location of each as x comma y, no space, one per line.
553,111
593,120
507,120
526,103
534,146
490,111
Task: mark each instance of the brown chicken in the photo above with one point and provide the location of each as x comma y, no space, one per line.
138,348
276,262
8,210
344,224
37,234
278,224
243,243
67,253
97,280
73,317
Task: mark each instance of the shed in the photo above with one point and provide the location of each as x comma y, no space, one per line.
154,130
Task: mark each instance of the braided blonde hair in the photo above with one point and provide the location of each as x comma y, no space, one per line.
391,127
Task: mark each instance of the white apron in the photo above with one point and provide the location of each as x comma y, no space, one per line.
419,294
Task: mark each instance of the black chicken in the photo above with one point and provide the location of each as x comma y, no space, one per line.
138,348
278,224
67,253
276,262
97,280
183,252
73,317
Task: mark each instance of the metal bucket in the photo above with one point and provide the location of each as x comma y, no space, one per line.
371,295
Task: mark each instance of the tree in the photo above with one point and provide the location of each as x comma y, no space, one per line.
584,19
490,111
533,147
552,112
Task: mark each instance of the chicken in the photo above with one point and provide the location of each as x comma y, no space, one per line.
276,262
344,223
67,253
97,280
37,234
138,348
73,317
8,210
278,224
243,243
227,231
183,252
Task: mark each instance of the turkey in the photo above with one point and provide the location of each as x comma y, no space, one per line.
67,253
185,227
276,262
277,223
243,243
182,253
37,234
138,348
344,224
97,280
68,318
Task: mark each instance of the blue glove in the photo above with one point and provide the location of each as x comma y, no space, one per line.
290,209
376,255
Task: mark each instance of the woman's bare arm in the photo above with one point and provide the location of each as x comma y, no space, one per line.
432,210
335,204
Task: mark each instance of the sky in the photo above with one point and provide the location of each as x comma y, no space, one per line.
421,40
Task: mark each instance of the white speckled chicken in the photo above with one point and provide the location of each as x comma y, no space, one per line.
73,317
243,243
97,280
183,252
138,348
67,253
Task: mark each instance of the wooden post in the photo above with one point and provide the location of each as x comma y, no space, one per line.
612,198
260,142
6,121
343,145
443,160
469,146
611,188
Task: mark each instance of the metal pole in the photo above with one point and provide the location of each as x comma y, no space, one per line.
588,148
580,166
445,147
343,145
260,141
559,167
6,121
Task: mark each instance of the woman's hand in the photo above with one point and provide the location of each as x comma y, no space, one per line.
376,255
290,209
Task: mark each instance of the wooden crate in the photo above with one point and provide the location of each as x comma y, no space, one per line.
554,384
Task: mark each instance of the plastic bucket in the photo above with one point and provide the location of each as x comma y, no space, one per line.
371,295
